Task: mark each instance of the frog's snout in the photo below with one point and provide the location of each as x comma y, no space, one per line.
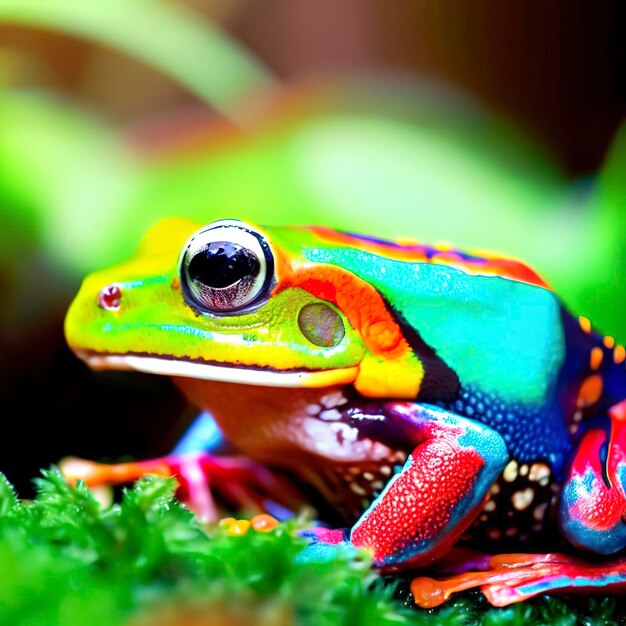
110,297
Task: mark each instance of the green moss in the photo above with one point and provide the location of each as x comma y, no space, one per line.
65,560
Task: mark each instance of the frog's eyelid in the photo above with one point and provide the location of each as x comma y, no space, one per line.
235,232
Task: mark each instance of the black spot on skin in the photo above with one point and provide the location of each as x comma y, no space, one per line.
604,452
440,382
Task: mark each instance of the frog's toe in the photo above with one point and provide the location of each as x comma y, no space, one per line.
327,544
238,482
330,536
511,578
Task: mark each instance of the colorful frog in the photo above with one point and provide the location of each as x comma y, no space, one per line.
427,394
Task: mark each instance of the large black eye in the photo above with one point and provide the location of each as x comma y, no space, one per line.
226,267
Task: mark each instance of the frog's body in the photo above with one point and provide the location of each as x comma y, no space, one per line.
420,390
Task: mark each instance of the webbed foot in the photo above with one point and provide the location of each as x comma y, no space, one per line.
238,482
511,578
326,544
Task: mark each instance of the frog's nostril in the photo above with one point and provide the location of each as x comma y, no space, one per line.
110,298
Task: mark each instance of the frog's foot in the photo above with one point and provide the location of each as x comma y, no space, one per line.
592,512
442,487
510,578
326,544
238,482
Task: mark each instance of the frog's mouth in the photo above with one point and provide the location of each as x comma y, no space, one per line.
218,371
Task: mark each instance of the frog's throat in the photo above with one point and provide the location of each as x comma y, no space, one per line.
224,373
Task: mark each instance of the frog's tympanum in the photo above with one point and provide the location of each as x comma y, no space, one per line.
427,395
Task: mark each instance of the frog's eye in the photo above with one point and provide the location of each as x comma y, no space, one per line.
226,267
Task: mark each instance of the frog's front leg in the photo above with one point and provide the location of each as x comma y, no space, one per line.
441,488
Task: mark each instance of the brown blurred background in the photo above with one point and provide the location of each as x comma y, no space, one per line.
558,68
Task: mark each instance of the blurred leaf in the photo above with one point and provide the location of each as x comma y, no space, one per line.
171,38
431,169
58,166
8,497
607,295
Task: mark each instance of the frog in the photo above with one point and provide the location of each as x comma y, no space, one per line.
428,396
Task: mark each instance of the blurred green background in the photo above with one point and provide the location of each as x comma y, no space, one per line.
490,125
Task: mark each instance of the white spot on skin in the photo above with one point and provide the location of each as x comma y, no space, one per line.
495,489
385,470
345,434
398,456
313,409
377,484
368,476
338,441
538,471
510,472
490,506
357,489
578,416
540,511
331,400
330,416
521,499
523,470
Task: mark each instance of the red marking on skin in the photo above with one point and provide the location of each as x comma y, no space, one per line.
331,536
419,503
616,456
360,302
602,507
487,264
110,298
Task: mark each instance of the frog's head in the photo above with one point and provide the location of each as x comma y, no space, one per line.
238,303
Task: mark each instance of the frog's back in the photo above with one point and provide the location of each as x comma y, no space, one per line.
481,262
492,320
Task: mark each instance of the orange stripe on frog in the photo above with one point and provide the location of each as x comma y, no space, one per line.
362,305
